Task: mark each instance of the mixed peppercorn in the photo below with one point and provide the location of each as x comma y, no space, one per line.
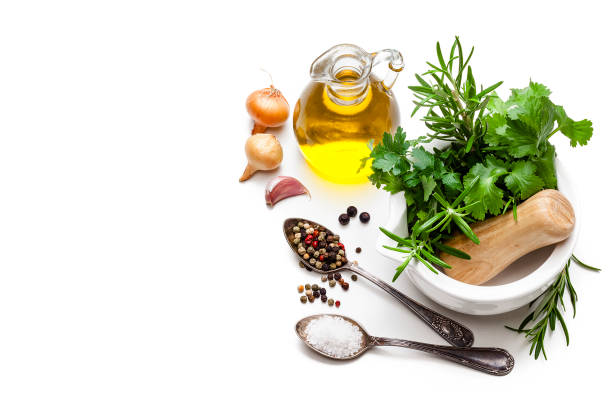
320,248
314,291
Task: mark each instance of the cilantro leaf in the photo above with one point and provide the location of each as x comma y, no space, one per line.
391,184
452,180
387,161
578,132
522,180
429,184
523,123
546,167
487,196
523,136
421,158
534,90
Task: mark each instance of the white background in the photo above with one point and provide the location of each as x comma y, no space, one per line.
136,271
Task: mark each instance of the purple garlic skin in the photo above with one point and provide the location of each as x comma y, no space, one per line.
282,187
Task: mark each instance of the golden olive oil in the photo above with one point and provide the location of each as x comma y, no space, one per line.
333,136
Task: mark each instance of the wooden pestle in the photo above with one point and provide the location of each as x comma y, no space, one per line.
544,219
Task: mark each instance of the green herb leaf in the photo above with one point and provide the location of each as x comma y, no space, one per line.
522,180
485,193
578,132
429,184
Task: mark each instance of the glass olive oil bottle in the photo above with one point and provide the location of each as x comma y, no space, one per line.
343,107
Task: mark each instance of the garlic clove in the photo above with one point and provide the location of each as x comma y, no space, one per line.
282,187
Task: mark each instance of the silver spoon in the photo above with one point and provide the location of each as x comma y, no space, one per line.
495,361
453,332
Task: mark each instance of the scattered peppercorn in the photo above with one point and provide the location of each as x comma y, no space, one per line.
337,303
308,292
311,299
323,291
337,276
351,211
323,278
300,288
344,219
315,287
364,217
316,294
323,298
303,299
330,302
345,286
358,250
354,277
332,283
307,286
330,276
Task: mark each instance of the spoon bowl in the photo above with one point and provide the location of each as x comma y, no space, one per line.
288,225
490,360
453,332
300,329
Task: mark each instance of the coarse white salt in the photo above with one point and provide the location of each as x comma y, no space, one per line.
334,336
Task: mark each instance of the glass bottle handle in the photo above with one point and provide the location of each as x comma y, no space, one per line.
393,61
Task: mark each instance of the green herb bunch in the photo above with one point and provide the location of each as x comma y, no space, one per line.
496,154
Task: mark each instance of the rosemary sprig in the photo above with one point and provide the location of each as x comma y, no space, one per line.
456,107
548,312
420,245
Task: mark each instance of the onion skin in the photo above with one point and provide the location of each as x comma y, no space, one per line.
268,108
264,152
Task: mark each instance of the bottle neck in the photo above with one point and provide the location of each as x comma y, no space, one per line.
348,92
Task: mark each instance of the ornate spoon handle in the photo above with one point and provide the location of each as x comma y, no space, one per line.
451,331
490,360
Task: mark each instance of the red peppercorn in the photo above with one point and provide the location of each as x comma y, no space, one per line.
337,303
316,233
341,245
315,244
321,258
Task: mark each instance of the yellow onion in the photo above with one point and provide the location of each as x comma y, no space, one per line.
263,152
268,108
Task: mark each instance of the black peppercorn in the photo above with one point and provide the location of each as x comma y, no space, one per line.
323,298
337,276
358,250
354,277
330,276
351,211
344,219
316,294
345,286
324,291
326,267
364,217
